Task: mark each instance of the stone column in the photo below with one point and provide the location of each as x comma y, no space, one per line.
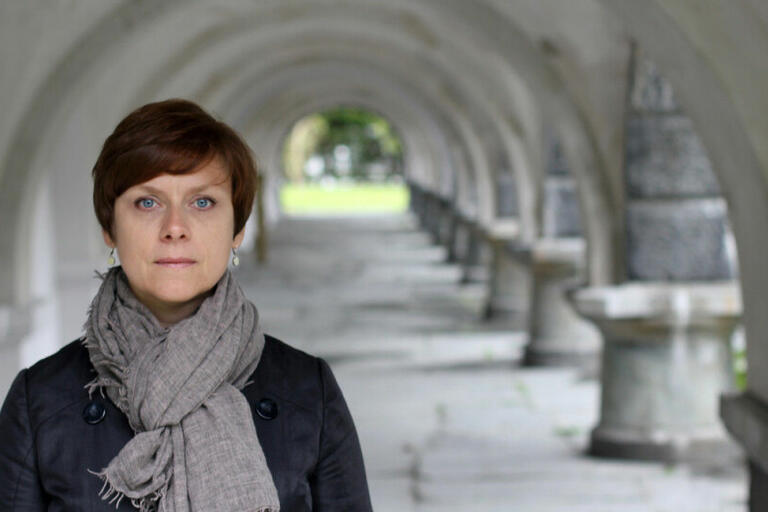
418,203
475,262
446,232
434,212
458,245
558,335
746,418
414,198
667,329
509,290
665,361
14,327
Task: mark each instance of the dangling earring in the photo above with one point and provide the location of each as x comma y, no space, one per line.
111,258
235,257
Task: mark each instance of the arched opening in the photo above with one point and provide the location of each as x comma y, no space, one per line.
344,160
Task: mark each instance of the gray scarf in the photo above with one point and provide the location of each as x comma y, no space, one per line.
195,447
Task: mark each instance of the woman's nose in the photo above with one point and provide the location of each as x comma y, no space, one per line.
175,225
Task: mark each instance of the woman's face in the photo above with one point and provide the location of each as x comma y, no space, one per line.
174,235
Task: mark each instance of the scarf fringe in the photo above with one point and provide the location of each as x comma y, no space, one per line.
150,503
101,384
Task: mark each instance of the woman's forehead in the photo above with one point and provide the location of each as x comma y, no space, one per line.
211,175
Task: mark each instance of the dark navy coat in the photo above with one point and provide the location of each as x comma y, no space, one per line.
51,432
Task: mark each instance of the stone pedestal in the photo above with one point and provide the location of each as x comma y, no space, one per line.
666,359
459,249
432,214
476,260
446,232
558,335
415,200
509,290
419,204
746,418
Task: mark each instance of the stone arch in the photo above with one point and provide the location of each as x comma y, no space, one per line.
340,49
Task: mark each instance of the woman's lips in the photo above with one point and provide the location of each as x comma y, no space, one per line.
175,262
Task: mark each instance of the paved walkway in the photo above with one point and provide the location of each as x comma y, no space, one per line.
447,419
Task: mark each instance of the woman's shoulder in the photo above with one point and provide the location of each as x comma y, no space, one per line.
278,352
55,382
291,373
60,370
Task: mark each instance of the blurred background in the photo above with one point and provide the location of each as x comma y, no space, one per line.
528,235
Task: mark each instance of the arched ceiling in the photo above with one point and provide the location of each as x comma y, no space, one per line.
471,85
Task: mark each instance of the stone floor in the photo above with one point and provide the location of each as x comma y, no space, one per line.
447,418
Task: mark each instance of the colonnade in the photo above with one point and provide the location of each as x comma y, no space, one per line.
544,145
662,336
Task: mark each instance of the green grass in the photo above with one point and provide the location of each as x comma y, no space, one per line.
365,198
740,369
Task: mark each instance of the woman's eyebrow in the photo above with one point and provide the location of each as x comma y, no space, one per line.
193,190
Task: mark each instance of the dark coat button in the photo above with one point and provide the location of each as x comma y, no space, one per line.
94,412
267,409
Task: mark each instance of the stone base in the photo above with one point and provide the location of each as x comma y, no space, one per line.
509,286
665,361
746,417
620,445
513,319
533,356
606,446
758,488
559,337
474,274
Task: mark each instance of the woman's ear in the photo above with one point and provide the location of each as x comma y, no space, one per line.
107,239
238,238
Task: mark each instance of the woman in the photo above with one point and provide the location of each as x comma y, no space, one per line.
174,400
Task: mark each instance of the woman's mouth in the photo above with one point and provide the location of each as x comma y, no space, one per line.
175,262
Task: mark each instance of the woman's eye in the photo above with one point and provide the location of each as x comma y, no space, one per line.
204,203
146,203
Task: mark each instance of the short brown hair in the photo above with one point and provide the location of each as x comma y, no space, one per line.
174,136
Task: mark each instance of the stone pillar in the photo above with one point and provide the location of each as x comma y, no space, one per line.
459,249
14,327
506,195
509,290
418,203
558,335
433,215
746,418
665,361
560,214
476,260
414,198
447,230
667,329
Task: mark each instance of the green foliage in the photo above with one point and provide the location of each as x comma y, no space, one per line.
347,143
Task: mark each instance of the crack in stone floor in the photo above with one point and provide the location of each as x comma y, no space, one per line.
447,418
